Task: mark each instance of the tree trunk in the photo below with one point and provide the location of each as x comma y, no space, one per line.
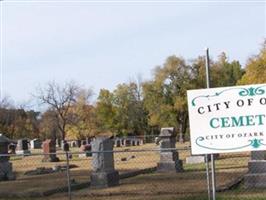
184,126
182,121
181,134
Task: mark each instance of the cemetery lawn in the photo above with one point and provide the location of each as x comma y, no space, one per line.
190,184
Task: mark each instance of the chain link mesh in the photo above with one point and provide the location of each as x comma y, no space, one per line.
138,176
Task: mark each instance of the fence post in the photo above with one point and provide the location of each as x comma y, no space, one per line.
66,149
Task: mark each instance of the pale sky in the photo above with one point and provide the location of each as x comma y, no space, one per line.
100,45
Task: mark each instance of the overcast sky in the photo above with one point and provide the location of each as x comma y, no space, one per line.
100,45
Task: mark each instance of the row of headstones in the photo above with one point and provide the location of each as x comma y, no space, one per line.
103,164
74,143
22,148
49,149
22,145
119,142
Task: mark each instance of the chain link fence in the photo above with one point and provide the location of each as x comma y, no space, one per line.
70,178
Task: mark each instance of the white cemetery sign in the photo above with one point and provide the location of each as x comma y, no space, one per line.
228,119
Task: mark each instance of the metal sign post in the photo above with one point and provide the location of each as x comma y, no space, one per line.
213,177
212,157
208,176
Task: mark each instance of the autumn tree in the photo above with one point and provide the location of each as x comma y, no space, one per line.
225,73
48,125
6,102
59,99
122,111
255,69
165,96
82,117
19,123
105,111
130,115
222,72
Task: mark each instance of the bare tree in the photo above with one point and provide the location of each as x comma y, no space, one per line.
59,99
6,102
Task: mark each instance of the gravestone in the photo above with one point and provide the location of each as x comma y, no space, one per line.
127,142
6,172
65,146
117,142
88,140
22,147
256,177
257,155
63,143
73,144
36,144
103,172
57,143
157,140
78,143
12,148
49,150
133,142
195,159
169,160
86,150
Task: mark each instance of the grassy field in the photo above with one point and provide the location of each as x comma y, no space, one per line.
190,184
